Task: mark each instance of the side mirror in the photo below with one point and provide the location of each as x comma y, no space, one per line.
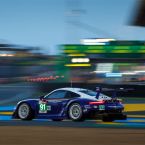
41,97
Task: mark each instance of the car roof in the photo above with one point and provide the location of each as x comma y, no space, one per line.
78,91
75,90
72,89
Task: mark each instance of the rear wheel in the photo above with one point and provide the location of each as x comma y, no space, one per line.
25,112
124,117
75,112
107,119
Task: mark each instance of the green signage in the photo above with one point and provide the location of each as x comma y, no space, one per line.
89,49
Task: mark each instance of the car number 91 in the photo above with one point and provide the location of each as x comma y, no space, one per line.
43,107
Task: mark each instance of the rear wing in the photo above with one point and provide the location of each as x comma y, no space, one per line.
113,90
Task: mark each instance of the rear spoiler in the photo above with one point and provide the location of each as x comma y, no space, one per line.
114,90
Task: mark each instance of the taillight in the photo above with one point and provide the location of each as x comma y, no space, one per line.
97,102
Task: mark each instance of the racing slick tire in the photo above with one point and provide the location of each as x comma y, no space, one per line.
25,112
110,118
124,117
75,112
107,119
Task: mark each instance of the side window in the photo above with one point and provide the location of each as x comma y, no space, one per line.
72,95
56,95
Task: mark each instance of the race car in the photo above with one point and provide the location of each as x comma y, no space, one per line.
76,104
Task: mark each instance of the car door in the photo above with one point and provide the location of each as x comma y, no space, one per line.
55,102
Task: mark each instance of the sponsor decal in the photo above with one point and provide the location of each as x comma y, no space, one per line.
95,107
87,106
114,106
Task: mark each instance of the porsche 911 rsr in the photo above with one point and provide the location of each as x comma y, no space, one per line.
76,104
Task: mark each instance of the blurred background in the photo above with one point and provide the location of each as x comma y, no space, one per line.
48,44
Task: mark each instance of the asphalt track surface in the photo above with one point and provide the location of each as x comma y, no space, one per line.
90,132
133,123
44,135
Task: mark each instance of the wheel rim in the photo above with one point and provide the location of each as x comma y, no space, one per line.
23,111
75,111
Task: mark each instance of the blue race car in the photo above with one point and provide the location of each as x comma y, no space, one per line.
76,104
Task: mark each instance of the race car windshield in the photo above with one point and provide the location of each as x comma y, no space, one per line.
89,92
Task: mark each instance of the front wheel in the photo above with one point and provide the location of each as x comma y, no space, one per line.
25,112
75,112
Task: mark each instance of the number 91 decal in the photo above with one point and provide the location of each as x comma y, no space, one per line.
43,107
